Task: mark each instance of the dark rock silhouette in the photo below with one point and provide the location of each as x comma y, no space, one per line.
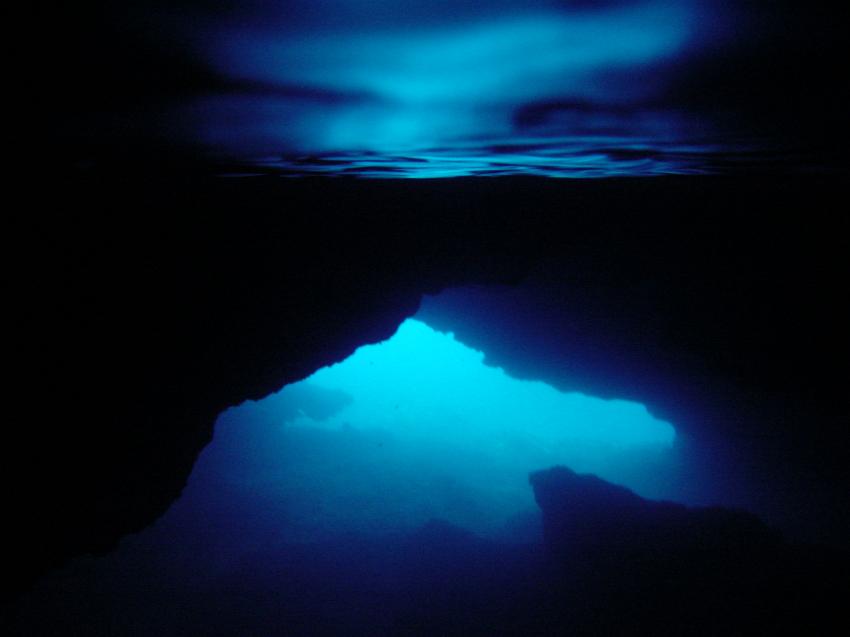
612,564
584,514
625,565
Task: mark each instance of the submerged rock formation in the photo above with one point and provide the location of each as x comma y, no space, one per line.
612,564
161,301
625,565
587,516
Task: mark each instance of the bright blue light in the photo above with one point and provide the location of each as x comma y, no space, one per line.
418,427
446,82
422,383
496,61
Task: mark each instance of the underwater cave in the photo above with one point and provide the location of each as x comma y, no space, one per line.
427,317
418,428
455,443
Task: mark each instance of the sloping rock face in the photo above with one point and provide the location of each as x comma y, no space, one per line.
142,308
585,515
613,564
632,566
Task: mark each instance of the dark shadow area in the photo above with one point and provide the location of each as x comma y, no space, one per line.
716,301
611,563
625,565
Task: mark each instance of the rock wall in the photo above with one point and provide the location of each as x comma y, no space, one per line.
143,307
624,565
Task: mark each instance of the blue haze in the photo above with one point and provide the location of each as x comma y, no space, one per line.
436,89
415,428
322,509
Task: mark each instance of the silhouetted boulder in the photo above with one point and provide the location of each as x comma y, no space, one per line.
583,513
621,564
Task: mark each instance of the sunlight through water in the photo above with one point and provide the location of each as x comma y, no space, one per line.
419,427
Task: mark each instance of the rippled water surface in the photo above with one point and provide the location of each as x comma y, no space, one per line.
589,157
427,89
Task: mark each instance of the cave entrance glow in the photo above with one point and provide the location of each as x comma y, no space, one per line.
415,428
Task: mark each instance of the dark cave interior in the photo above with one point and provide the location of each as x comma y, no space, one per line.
714,301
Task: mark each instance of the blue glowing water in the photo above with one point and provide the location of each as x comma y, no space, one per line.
590,156
436,89
413,428
419,427
426,384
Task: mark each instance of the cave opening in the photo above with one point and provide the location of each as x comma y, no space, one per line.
413,429
409,488
367,498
